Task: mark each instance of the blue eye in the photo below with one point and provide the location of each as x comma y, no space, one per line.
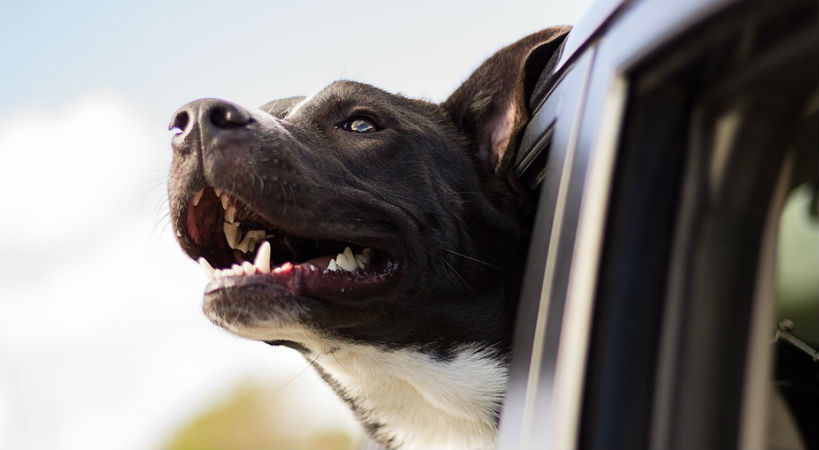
359,125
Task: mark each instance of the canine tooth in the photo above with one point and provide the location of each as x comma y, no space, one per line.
332,267
230,214
206,267
198,196
262,261
218,192
232,233
249,268
225,200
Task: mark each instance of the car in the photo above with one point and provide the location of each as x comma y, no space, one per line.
671,294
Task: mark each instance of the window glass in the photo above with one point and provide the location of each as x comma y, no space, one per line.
798,264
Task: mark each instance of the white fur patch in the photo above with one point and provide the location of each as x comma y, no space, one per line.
421,402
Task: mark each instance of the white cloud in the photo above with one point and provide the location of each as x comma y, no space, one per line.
70,168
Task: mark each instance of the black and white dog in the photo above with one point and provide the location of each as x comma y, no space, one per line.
381,236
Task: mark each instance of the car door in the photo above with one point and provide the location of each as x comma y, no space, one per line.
665,147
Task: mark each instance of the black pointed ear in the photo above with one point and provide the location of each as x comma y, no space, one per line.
491,106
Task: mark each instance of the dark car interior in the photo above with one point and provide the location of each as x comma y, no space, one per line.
702,319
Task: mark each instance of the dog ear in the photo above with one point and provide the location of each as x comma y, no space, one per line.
491,106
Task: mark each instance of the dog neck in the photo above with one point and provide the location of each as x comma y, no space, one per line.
409,399
405,398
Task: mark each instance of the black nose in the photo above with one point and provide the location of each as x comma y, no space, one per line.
212,115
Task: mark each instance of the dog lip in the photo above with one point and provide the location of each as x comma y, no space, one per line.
313,279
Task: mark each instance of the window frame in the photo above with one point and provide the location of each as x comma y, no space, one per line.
582,116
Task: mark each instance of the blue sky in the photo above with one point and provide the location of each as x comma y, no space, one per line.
102,341
165,53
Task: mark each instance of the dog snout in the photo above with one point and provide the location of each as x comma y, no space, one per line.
211,116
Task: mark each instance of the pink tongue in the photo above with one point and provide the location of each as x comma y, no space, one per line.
311,278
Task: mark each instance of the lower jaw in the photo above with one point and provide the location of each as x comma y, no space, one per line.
312,278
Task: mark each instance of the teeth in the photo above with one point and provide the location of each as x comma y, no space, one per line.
230,214
218,192
249,268
206,267
257,235
332,267
364,259
252,238
346,260
232,234
262,261
341,261
225,200
237,270
348,253
178,233
221,273
198,196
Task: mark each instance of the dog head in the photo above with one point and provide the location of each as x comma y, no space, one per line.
373,219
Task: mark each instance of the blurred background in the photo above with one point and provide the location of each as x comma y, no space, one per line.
102,340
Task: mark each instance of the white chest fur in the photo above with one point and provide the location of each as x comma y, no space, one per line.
418,401
422,402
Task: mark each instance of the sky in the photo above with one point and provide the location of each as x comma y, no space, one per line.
102,339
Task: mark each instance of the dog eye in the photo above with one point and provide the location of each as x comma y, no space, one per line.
359,125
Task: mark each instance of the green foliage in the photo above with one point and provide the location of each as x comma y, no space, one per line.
798,265
256,417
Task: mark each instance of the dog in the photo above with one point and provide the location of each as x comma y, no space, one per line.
382,237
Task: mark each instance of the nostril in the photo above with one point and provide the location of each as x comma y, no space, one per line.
180,123
226,116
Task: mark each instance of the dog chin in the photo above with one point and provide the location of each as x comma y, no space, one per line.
252,310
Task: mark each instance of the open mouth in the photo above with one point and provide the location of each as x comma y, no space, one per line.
237,244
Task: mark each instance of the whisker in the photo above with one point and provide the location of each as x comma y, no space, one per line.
490,265
165,218
286,200
294,377
468,287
